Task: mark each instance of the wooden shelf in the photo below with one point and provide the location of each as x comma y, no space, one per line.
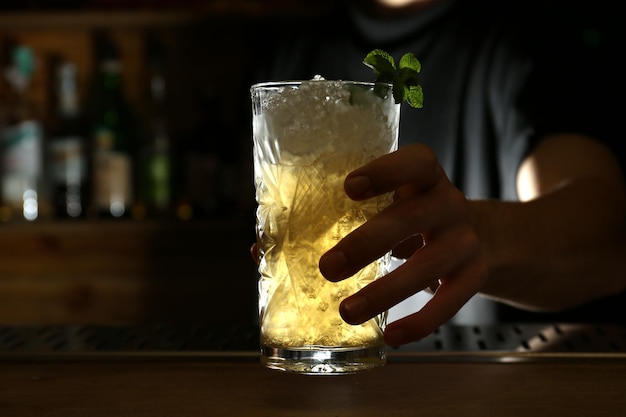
127,272
92,19
118,19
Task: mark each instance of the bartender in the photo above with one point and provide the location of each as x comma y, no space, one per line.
508,181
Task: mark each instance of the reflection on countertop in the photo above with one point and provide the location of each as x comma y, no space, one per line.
173,338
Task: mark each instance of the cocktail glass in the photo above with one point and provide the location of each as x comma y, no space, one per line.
308,135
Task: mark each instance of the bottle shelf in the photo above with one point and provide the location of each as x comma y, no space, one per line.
96,271
202,105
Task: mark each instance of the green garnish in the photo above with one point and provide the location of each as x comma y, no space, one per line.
404,77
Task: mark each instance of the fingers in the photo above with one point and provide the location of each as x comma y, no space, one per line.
424,198
408,247
414,164
254,252
428,222
450,296
441,258
401,222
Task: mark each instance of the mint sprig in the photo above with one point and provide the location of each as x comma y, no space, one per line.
403,77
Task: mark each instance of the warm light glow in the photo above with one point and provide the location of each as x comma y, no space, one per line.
527,185
30,207
399,3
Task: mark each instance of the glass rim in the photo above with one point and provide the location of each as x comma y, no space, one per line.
287,83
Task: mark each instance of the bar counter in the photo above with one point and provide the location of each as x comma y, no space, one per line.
191,384
176,370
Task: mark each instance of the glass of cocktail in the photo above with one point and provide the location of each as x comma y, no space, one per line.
308,135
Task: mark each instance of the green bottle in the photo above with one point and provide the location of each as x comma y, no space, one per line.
66,144
112,136
155,152
21,140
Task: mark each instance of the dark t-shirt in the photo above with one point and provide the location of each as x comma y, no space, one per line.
496,78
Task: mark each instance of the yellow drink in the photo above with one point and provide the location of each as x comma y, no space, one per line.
308,137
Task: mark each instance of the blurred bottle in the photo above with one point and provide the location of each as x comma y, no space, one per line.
66,143
112,135
155,167
210,171
21,141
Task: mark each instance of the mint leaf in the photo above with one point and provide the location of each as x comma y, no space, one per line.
415,96
404,77
409,61
383,65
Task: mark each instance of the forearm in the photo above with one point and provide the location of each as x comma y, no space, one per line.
560,250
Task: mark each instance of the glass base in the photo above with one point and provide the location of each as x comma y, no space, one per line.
320,360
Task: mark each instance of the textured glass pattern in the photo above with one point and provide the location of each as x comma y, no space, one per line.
307,138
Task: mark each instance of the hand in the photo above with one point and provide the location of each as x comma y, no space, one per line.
428,224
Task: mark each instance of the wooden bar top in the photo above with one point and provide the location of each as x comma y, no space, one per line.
210,387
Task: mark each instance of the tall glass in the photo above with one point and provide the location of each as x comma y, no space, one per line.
308,135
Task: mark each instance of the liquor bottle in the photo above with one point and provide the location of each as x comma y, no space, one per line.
21,141
210,177
155,165
112,136
66,144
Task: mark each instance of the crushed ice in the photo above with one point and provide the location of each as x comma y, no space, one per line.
310,117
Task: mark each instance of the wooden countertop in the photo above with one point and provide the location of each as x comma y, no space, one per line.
189,385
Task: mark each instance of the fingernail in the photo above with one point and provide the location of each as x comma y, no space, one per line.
395,336
353,310
333,265
358,186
